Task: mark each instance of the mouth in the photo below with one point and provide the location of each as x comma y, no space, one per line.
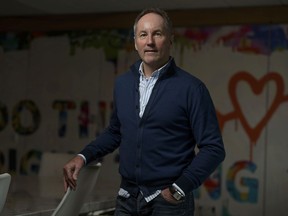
150,51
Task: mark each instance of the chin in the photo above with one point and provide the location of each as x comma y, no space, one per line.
151,59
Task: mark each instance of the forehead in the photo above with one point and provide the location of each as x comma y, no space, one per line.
150,21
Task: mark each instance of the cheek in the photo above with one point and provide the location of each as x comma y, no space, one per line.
165,46
139,46
163,43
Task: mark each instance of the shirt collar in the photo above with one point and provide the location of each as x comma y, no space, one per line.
156,73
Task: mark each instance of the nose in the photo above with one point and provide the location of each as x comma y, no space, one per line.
150,39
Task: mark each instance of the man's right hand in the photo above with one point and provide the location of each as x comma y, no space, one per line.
71,171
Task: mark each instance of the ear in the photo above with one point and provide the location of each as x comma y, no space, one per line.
135,46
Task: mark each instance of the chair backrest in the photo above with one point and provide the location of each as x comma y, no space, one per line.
5,180
72,201
50,175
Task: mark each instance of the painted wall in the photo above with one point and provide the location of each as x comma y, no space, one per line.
56,95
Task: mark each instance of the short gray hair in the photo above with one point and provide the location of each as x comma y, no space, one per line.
160,12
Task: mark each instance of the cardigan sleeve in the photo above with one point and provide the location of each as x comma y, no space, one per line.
206,131
108,141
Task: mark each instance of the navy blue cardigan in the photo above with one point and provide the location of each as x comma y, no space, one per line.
159,148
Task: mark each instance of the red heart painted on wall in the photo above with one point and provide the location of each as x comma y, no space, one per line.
257,87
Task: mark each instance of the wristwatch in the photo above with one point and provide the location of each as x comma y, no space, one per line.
176,193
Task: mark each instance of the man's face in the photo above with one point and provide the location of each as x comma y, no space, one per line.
152,41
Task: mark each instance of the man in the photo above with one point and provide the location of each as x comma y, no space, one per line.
160,114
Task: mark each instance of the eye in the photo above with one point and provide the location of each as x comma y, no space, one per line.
158,34
142,35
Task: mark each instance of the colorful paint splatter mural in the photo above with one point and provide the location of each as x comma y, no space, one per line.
56,95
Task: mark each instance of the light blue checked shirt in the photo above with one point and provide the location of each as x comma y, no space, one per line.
146,86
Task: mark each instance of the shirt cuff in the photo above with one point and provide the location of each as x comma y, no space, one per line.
81,155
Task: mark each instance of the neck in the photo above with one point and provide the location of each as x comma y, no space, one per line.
149,69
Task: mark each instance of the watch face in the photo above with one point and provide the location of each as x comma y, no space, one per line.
177,196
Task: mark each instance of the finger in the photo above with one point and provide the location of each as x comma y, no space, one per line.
71,181
68,178
65,184
75,174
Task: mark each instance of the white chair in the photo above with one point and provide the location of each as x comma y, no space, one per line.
5,180
50,175
72,201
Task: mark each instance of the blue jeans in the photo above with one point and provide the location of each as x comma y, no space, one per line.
137,206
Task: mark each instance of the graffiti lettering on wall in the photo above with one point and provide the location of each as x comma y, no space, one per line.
26,120
26,117
250,183
63,107
214,183
18,122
